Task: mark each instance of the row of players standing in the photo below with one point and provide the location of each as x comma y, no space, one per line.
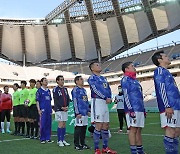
168,98
24,109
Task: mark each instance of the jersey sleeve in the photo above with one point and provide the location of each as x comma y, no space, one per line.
95,88
38,95
125,87
161,87
75,100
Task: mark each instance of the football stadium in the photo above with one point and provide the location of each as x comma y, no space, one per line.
71,37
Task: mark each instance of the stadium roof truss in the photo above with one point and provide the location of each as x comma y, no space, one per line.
86,30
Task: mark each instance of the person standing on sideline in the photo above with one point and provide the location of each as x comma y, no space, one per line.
32,109
6,106
43,98
61,103
101,97
134,107
16,102
168,98
0,108
81,110
23,110
119,100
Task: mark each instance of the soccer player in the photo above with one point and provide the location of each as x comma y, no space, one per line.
43,98
119,100
101,97
168,98
16,102
61,103
6,106
23,110
134,107
81,110
32,110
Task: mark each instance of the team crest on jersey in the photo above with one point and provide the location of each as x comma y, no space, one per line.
85,98
105,85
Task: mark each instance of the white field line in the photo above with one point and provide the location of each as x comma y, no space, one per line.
156,135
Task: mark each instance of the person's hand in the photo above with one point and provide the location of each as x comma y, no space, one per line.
132,114
108,100
169,112
40,112
79,116
145,113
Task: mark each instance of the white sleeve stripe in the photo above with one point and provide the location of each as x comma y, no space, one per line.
75,105
127,99
97,92
164,96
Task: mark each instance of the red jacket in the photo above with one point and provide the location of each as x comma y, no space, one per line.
6,101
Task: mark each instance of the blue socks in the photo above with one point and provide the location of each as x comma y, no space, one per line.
61,133
169,145
176,144
140,149
133,149
96,138
105,137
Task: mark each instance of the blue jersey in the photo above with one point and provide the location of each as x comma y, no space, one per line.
80,100
99,87
43,96
167,92
61,98
133,97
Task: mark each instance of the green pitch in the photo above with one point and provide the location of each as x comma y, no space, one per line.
152,141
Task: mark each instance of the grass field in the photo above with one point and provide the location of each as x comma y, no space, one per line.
152,141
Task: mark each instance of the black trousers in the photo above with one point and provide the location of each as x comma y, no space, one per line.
121,116
5,113
79,135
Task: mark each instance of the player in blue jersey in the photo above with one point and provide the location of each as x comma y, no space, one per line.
101,97
81,110
133,106
43,98
61,103
168,98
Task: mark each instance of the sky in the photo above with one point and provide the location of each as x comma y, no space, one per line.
40,8
27,8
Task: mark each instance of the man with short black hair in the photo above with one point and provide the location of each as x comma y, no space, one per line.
168,98
134,107
61,103
16,102
81,110
6,106
43,98
101,97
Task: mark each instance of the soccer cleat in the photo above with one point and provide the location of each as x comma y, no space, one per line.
3,132
65,143
108,150
36,137
31,137
8,131
97,151
120,131
79,148
43,142
60,143
49,141
85,146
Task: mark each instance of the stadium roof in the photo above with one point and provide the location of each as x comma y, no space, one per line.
86,30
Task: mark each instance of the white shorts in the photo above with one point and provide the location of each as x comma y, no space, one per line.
138,121
83,121
99,110
61,116
173,122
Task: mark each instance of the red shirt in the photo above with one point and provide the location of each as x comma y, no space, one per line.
6,101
